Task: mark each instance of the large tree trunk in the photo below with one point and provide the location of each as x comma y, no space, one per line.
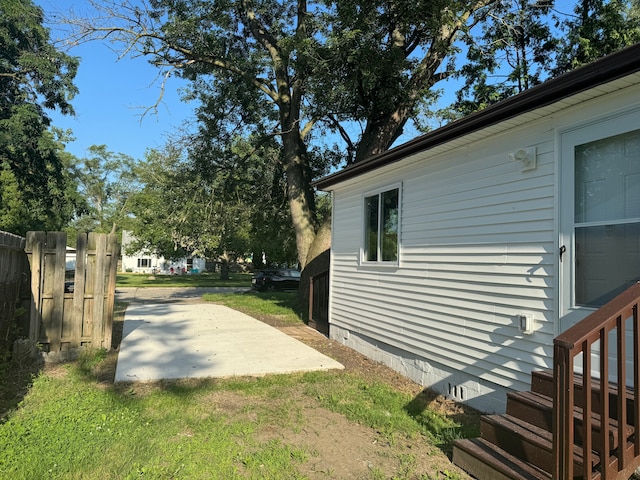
378,136
322,240
287,95
300,193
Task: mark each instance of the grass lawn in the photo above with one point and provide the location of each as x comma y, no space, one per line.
199,280
73,422
283,306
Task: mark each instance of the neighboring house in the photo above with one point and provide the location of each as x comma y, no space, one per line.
70,260
457,257
145,262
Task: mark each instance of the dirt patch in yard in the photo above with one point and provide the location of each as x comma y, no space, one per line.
362,365
344,449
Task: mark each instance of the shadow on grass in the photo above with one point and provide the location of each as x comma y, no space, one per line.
100,366
461,421
16,379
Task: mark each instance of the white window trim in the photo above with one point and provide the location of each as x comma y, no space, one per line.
610,124
144,260
363,262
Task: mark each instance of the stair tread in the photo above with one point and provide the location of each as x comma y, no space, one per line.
499,460
521,428
533,398
537,396
542,378
542,401
539,402
535,436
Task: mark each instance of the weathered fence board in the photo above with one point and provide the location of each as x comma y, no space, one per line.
78,306
64,321
111,289
35,246
98,243
13,283
52,292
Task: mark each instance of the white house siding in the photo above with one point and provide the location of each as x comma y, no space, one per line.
157,264
478,248
147,262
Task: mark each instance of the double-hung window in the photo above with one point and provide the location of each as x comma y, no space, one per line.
144,262
382,216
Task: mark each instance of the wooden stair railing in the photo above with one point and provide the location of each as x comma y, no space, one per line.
558,430
612,319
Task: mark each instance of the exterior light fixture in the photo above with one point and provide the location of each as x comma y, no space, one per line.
526,156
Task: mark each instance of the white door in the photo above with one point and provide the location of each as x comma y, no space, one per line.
599,214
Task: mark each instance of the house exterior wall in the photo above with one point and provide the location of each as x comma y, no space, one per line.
478,248
149,263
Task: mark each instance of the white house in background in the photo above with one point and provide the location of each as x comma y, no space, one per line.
145,262
70,259
457,257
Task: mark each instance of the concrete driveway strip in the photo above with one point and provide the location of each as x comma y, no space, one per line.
185,340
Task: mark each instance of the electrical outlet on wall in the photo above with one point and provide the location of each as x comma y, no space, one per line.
526,323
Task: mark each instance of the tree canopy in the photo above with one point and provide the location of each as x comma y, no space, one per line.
34,77
597,28
327,82
184,208
23,210
522,43
514,49
105,181
295,71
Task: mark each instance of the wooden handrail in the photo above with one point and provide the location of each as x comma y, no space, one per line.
601,459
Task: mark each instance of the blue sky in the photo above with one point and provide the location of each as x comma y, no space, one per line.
112,98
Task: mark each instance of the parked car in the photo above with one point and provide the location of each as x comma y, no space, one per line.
276,279
69,286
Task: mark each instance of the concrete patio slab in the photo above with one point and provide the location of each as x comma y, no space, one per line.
186,340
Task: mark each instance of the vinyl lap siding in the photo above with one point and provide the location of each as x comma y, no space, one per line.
477,249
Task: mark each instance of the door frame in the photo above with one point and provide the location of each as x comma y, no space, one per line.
597,128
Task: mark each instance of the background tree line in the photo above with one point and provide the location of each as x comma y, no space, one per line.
286,91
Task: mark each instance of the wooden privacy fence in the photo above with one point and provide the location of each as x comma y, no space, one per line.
84,317
14,274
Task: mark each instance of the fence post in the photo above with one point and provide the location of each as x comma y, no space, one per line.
312,321
79,278
113,248
35,252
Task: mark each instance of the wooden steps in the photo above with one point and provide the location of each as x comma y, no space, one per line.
542,382
517,445
487,461
538,410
